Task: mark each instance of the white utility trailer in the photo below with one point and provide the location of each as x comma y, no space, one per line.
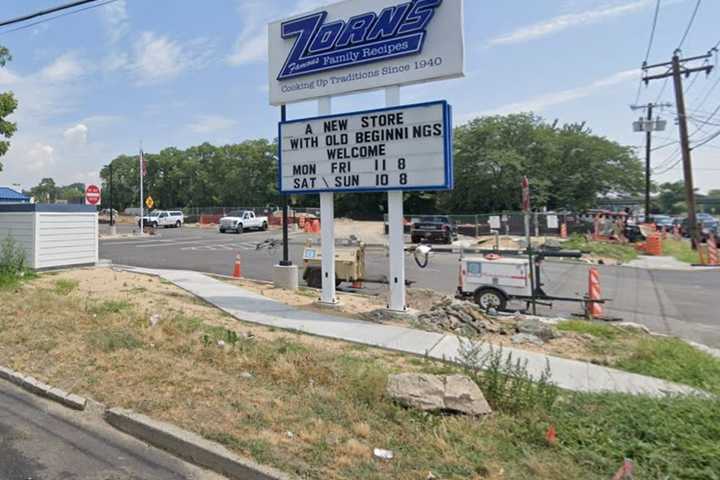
52,236
492,280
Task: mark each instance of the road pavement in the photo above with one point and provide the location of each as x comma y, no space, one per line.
40,440
671,302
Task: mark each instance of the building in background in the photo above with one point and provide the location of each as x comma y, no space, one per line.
8,195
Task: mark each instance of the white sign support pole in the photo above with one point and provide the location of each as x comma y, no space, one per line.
396,233
142,197
327,228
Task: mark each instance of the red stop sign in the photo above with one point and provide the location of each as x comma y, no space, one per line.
92,195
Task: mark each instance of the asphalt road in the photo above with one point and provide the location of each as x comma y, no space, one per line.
670,302
40,440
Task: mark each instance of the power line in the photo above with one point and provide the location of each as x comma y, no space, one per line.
47,11
652,31
706,140
65,14
690,24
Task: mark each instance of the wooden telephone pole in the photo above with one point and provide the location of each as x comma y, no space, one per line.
676,69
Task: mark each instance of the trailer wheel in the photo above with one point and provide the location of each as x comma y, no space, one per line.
488,298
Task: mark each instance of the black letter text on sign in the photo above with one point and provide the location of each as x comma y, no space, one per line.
399,148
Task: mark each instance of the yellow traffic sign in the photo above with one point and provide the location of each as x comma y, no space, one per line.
149,202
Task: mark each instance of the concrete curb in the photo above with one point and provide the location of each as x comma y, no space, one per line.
189,446
37,387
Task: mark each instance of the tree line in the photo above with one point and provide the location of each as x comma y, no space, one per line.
569,167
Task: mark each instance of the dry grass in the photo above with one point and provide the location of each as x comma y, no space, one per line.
312,407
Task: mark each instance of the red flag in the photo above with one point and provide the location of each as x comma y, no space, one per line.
143,164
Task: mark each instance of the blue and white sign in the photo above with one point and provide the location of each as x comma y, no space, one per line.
364,44
399,148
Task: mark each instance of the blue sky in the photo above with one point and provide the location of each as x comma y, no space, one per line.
179,72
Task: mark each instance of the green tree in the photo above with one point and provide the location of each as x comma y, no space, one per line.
46,191
568,166
671,198
8,104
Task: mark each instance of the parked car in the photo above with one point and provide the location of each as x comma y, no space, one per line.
242,220
104,215
709,225
433,227
161,218
663,222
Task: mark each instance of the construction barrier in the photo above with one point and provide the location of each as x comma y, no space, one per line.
237,269
316,226
563,231
301,223
653,246
712,250
594,309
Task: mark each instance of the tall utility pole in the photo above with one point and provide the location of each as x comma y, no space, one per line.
648,126
676,68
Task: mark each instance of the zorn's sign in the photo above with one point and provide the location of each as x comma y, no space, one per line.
364,44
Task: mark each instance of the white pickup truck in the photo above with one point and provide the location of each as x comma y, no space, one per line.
241,220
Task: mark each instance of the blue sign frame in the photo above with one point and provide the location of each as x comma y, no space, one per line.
448,154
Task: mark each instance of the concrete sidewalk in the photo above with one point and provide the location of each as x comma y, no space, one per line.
251,307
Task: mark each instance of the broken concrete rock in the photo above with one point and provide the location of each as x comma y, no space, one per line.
537,328
452,315
455,393
382,315
521,338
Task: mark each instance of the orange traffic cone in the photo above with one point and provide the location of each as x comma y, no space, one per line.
563,231
594,309
712,250
237,271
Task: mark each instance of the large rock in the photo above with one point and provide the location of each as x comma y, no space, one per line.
456,393
425,392
539,329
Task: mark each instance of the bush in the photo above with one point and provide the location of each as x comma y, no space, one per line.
506,384
12,262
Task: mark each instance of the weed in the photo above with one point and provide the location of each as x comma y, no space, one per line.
110,340
12,257
506,384
65,286
109,307
185,324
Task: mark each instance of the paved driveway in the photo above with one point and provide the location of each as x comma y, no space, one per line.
41,440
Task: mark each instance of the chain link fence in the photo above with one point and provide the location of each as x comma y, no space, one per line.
541,223
212,215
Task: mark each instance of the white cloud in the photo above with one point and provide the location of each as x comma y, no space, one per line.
77,135
564,22
39,157
116,20
159,58
539,103
252,43
211,123
64,68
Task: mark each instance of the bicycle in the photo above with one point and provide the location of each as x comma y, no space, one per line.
271,245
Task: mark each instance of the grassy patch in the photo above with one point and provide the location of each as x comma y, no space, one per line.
661,357
675,360
110,340
583,327
109,307
623,253
681,250
317,408
64,286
